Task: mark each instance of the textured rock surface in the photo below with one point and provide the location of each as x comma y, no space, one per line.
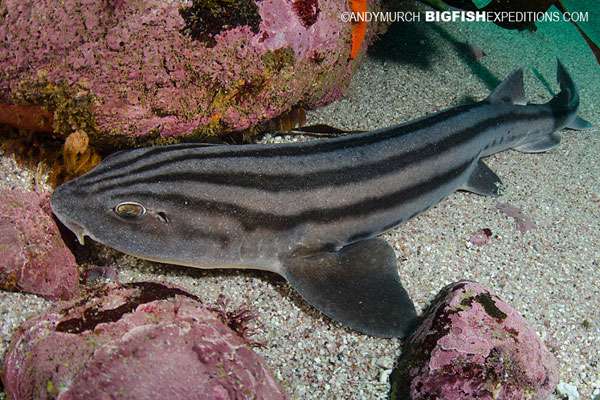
472,345
143,340
33,256
172,67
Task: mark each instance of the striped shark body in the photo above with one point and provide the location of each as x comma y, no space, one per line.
310,211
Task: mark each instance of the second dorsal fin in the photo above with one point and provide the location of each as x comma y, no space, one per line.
510,90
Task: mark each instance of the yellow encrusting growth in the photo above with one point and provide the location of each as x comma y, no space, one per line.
72,105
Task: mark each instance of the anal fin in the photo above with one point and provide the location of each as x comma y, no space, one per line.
483,181
358,286
538,146
579,123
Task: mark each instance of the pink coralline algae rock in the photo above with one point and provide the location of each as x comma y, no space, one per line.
472,345
135,341
173,68
481,237
33,256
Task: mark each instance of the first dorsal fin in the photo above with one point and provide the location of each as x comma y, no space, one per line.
510,90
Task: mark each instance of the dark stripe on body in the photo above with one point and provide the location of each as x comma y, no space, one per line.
251,219
317,179
369,234
146,152
286,150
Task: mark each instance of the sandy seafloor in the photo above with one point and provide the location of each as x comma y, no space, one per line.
551,274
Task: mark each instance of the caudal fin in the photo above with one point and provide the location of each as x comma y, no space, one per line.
567,100
565,104
563,107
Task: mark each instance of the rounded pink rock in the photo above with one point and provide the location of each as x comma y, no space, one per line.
34,257
136,341
472,345
173,68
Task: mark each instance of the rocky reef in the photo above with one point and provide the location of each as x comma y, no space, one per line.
168,69
34,257
145,340
472,345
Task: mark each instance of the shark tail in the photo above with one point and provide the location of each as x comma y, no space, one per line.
566,103
564,108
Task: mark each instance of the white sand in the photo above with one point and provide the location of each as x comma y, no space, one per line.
550,274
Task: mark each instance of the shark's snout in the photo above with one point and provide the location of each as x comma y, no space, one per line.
62,202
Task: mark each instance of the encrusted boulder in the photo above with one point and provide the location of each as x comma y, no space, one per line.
139,341
142,69
472,345
33,256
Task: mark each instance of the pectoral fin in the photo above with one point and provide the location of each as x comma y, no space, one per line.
358,286
483,181
538,146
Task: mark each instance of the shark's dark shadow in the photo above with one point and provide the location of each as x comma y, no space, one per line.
414,43
543,81
405,43
462,49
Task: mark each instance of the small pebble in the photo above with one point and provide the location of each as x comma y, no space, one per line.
567,391
384,376
385,362
480,238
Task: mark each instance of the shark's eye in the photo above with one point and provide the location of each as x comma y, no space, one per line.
129,210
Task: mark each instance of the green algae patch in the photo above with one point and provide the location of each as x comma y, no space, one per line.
278,59
213,129
51,389
206,18
71,105
489,305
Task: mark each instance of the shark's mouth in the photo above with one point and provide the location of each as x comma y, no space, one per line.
79,231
